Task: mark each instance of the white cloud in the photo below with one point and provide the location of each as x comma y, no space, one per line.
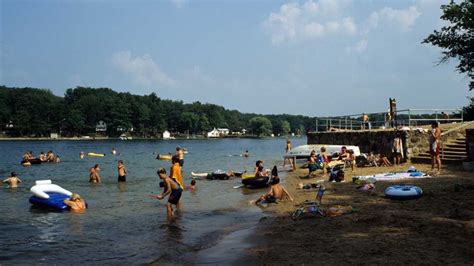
404,19
359,47
311,19
143,70
178,3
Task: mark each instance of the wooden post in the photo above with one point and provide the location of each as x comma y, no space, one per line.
294,162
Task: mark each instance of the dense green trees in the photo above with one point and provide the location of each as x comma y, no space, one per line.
457,37
260,126
37,112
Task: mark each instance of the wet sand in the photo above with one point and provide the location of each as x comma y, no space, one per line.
435,229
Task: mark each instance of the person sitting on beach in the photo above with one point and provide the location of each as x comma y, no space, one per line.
75,203
94,176
50,157
372,159
277,192
13,180
343,154
172,188
176,171
312,164
122,172
383,161
42,157
350,160
259,169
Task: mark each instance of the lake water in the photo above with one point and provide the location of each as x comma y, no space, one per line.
122,225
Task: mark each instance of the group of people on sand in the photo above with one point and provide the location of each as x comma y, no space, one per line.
43,157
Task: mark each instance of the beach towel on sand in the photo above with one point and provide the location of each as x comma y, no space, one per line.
410,173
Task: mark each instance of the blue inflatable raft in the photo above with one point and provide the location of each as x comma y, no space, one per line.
55,201
48,195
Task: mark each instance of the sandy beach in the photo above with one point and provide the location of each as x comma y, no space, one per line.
435,229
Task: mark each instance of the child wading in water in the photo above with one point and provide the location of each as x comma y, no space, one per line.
173,189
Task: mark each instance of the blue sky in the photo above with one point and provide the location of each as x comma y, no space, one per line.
320,57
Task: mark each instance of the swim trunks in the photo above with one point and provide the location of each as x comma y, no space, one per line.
175,196
270,199
122,178
435,148
181,162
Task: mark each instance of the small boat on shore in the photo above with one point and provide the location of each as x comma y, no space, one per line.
304,151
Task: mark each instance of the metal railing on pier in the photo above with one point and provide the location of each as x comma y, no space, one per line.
382,120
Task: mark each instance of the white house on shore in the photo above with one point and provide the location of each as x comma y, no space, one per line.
213,134
166,135
217,133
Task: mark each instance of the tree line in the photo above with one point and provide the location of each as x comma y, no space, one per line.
38,112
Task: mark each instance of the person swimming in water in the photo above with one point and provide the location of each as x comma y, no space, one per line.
75,203
192,186
81,155
173,189
13,180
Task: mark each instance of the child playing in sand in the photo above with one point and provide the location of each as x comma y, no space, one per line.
173,189
13,180
277,192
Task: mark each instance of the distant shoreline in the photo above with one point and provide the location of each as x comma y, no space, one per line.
136,138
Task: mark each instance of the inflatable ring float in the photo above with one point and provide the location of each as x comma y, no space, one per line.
403,192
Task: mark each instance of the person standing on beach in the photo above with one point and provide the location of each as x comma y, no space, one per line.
397,149
287,150
94,176
122,172
13,180
435,146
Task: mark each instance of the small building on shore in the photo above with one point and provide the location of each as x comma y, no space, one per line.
166,134
213,134
217,133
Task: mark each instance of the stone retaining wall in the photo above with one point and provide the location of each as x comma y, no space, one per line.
470,144
377,141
